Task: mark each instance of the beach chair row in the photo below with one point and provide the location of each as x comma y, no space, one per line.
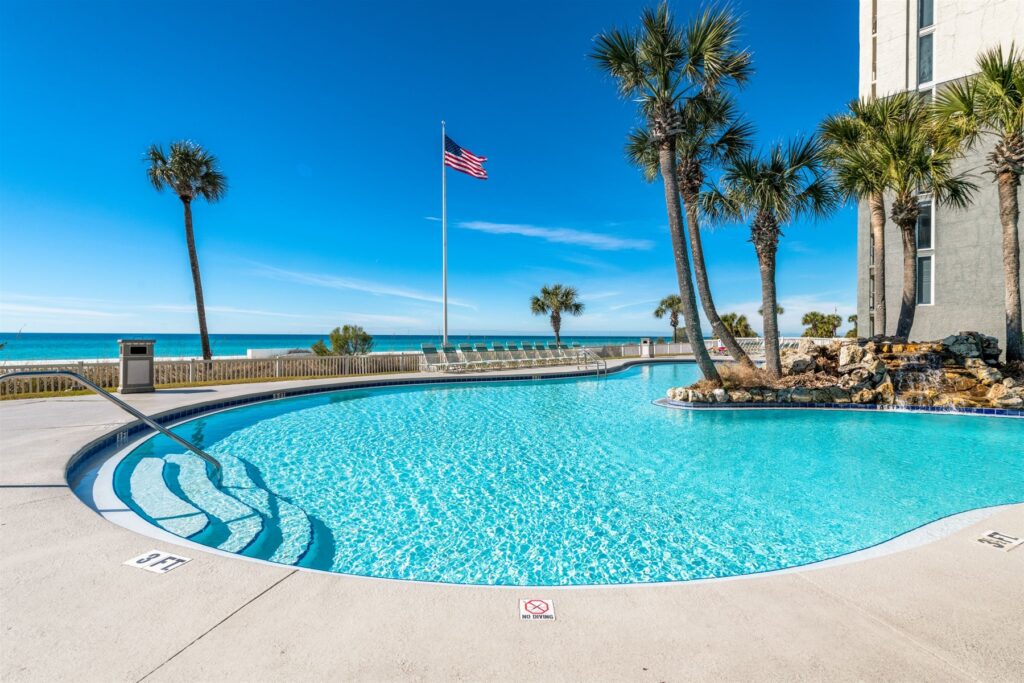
469,357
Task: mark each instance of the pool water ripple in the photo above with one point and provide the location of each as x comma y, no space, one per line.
584,481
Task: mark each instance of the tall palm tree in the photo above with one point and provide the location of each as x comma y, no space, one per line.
711,132
671,306
190,172
659,65
991,104
915,158
860,175
553,302
738,325
770,190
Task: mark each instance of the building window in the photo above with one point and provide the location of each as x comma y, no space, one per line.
924,59
925,13
925,238
925,228
924,280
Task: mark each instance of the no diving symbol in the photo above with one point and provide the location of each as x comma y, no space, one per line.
536,606
536,609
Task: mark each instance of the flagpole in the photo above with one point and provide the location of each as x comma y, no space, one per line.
444,239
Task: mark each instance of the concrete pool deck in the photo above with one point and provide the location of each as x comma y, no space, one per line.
69,610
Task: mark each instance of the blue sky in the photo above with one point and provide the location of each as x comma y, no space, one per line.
326,120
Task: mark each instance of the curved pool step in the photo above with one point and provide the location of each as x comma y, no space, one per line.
242,522
291,535
154,497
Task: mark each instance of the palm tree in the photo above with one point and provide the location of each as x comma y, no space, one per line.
769,191
852,332
671,306
860,175
659,65
190,172
915,158
711,132
738,325
554,301
821,324
779,310
991,103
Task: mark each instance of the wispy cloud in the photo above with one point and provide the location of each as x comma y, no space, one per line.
597,296
594,240
336,282
8,308
645,302
191,308
432,218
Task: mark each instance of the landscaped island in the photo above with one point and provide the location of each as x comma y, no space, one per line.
961,371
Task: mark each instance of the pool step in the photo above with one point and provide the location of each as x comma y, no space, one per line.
151,493
242,522
240,515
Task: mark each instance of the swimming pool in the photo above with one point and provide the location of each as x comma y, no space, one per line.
563,481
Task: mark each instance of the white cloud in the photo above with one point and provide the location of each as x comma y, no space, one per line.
7,308
593,240
191,308
336,282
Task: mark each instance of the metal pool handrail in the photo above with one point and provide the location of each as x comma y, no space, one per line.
121,404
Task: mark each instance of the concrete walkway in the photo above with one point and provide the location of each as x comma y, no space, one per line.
69,610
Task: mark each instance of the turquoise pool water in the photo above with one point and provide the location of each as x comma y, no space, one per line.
565,482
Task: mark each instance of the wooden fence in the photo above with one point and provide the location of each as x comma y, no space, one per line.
167,372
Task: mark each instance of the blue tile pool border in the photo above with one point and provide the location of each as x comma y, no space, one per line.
689,405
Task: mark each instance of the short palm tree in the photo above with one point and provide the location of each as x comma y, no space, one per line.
553,302
770,190
860,174
191,173
659,65
671,306
738,325
915,158
821,324
711,132
990,104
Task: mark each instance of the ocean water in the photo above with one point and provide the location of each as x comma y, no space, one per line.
66,346
580,481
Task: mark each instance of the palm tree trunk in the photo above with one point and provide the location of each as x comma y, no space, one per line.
769,314
193,259
1009,213
556,325
908,303
667,160
877,205
700,271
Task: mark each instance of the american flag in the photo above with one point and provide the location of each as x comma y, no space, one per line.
463,160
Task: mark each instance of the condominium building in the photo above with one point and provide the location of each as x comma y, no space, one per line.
917,46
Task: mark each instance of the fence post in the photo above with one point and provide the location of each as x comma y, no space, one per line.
277,367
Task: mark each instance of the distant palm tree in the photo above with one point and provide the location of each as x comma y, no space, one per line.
660,65
554,301
671,306
190,172
738,325
991,103
821,324
779,310
769,191
852,332
861,174
710,133
916,158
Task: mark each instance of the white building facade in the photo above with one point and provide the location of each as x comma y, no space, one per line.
917,46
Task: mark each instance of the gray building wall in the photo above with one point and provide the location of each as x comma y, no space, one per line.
968,278
969,287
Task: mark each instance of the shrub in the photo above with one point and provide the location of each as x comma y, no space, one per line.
348,340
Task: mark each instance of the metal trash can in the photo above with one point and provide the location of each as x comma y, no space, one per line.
646,348
136,365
